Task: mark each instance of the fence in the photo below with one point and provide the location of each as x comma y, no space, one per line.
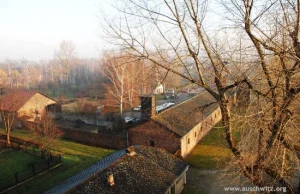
48,161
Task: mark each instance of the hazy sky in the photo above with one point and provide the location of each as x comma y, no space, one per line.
32,29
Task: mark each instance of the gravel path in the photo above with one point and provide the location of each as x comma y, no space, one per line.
211,181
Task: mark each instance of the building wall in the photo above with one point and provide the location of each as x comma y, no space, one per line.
190,140
149,131
178,185
159,89
37,102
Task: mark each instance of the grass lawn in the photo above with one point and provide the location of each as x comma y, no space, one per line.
12,161
75,158
72,107
210,150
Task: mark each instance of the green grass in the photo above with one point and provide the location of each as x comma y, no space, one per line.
13,161
61,91
190,190
210,151
75,158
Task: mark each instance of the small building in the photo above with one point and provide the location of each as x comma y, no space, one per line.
29,105
136,170
159,89
178,129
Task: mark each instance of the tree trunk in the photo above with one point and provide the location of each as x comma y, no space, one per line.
225,111
8,138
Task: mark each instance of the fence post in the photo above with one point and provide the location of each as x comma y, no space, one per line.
50,156
59,158
16,177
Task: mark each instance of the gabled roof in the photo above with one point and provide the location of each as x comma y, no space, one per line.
14,100
150,170
185,116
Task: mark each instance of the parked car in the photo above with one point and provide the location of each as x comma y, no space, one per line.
131,120
128,120
166,97
137,120
138,108
79,121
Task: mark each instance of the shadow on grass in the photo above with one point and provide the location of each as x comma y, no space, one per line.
75,158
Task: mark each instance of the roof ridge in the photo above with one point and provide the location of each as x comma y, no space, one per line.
173,107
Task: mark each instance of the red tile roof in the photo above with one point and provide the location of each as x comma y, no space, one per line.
14,100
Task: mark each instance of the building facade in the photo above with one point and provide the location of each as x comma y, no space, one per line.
179,128
28,105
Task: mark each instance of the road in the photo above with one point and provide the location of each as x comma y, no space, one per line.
181,98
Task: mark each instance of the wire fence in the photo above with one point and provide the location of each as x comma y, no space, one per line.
48,160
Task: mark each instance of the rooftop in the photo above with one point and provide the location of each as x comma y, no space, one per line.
185,116
150,170
14,100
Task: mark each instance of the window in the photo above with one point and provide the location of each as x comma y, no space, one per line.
215,115
195,134
201,129
152,143
188,140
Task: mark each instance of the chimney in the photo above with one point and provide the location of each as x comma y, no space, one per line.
110,180
148,107
130,151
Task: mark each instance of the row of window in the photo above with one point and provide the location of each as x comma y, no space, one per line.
205,126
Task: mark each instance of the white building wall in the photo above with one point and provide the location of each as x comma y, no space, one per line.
191,139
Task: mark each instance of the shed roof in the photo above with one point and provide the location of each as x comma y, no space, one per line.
150,170
185,116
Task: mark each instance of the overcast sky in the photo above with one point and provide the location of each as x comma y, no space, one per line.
32,29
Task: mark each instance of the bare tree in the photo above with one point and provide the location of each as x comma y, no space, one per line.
122,88
47,129
3,77
66,56
16,77
172,34
8,111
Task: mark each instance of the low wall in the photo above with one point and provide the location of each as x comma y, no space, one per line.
113,141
